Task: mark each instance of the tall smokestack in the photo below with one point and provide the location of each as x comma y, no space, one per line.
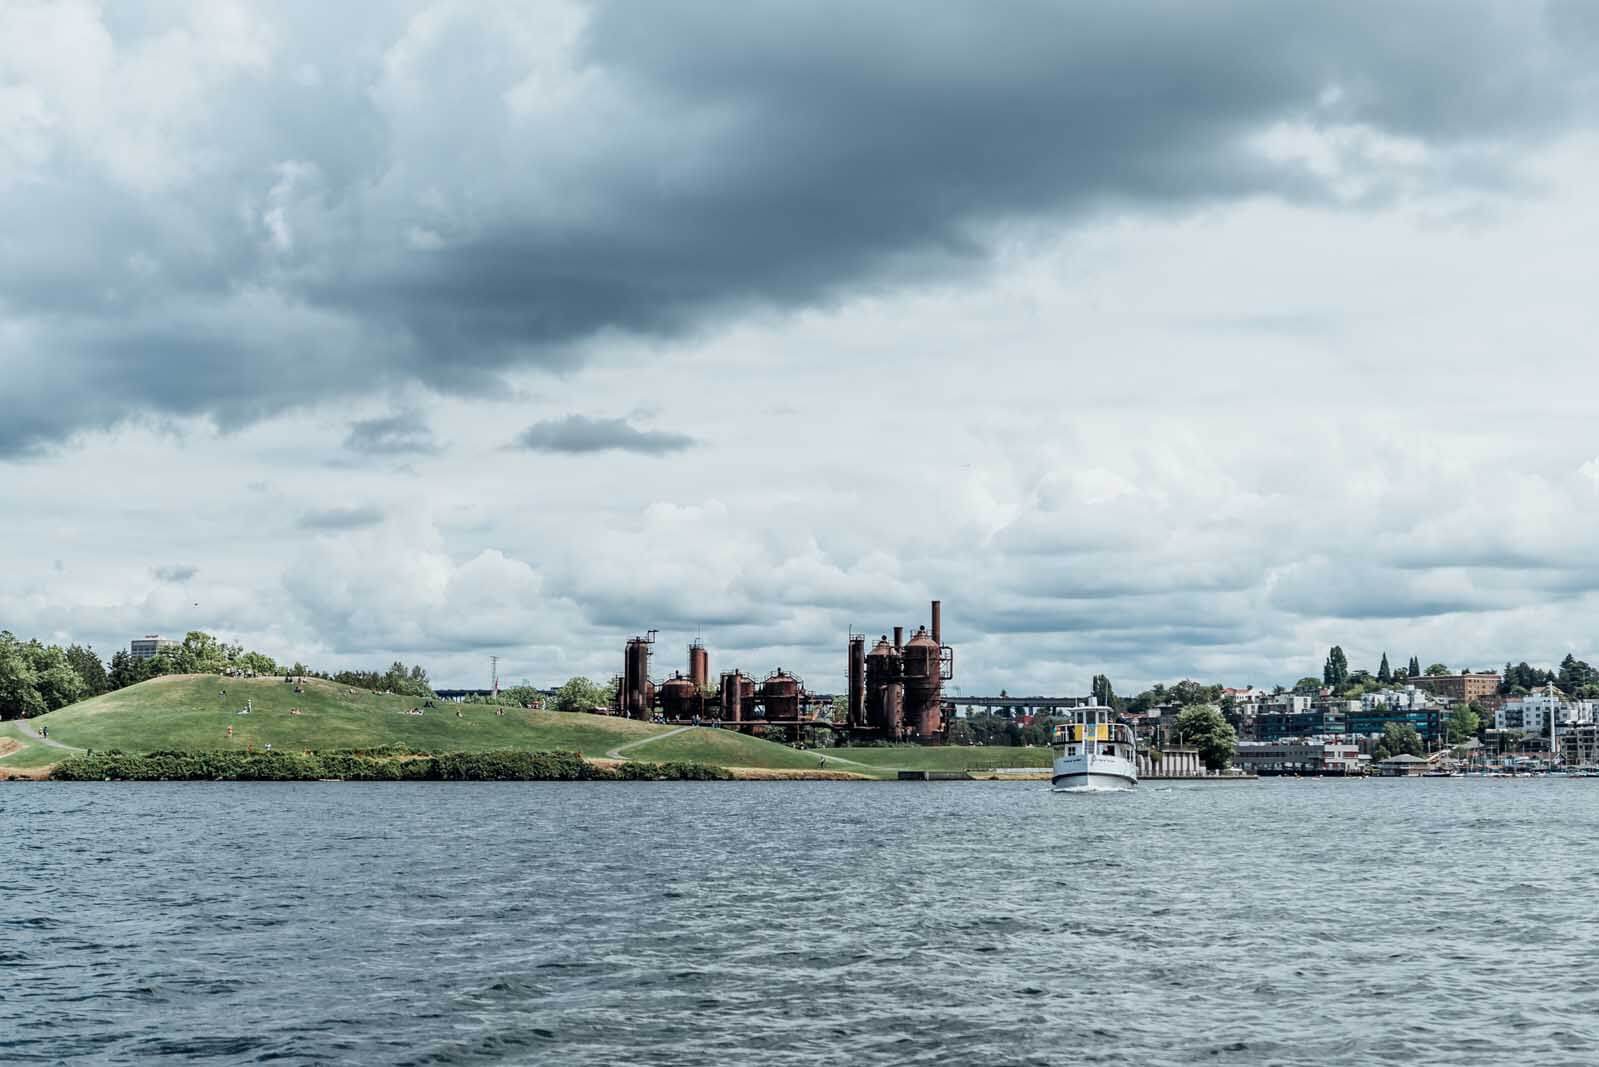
938,623
857,679
899,638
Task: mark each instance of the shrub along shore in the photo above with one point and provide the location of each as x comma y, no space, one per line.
392,763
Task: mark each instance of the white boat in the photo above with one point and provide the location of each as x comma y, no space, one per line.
1093,751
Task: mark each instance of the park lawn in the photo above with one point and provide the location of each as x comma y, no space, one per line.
946,757
31,754
188,713
726,748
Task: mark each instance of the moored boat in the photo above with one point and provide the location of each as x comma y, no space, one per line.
1093,751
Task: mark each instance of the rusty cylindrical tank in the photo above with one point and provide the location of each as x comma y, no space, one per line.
732,697
780,695
678,697
857,680
637,693
699,666
882,687
923,685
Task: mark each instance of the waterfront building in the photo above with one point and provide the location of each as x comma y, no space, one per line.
1429,722
150,645
1532,713
1312,722
1466,686
1298,757
1403,765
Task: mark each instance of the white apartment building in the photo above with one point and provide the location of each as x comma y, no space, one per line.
1531,713
1407,699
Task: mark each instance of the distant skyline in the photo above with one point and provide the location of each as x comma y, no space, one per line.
1157,341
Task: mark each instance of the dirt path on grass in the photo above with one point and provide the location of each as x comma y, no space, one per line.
616,753
34,735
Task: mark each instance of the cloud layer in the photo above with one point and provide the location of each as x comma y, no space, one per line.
1155,340
230,211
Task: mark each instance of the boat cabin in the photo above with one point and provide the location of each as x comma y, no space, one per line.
1092,731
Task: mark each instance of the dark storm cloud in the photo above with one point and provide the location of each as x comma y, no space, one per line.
579,434
334,519
404,433
177,572
430,204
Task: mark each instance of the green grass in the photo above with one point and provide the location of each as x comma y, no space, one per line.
948,757
186,713
32,753
725,748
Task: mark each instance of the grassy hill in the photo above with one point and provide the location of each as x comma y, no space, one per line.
190,712
193,713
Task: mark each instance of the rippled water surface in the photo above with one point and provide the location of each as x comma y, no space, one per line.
1289,922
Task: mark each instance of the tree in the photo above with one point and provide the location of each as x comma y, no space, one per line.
1307,685
1414,670
1435,669
1188,692
580,694
257,662
19,689
1385,673
1335,672
90,670
58,684
200,653
1204,727
1575,675
1462,723
1398,739
1104,696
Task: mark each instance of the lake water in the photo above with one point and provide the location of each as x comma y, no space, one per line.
1286,922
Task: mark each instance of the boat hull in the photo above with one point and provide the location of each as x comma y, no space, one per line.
1092,780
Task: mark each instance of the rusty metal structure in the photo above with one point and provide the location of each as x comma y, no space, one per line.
699,665
635,693
896,690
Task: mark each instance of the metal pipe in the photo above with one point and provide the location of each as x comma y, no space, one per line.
899,638
938,623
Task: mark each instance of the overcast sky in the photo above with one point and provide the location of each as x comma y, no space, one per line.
1159,340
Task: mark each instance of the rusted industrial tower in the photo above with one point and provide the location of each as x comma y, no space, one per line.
899,689
636,695
699,666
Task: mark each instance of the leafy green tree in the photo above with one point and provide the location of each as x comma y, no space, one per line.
90,669
1385,673
580,694
57,682
1335,672
1104,696
200,653
1307,685
258,662
1435,669
19,682
1398,739
1204,727
1462,723
1414,670
1188,692
1575,675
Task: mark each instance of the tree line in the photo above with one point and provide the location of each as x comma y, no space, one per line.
36,678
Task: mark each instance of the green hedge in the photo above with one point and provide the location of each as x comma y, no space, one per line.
378,765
